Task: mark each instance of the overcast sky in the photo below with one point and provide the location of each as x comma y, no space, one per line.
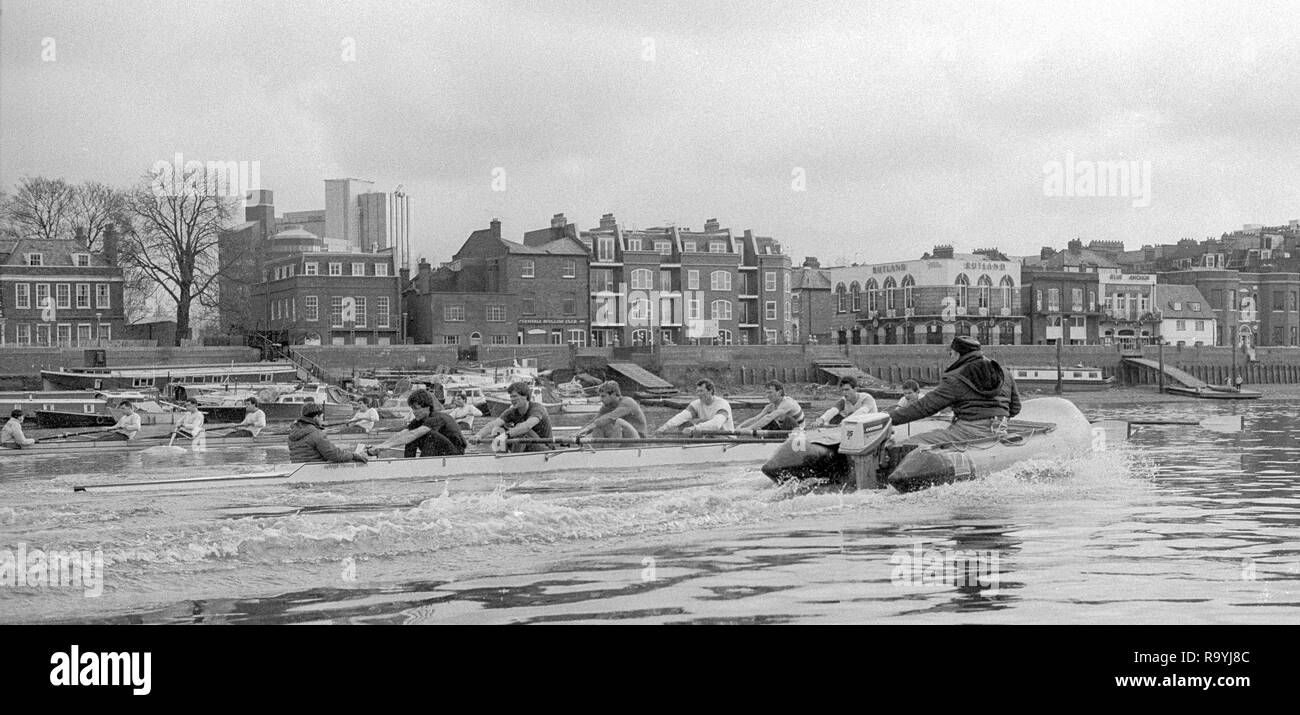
858,131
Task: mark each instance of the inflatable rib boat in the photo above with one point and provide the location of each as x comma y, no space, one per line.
867,451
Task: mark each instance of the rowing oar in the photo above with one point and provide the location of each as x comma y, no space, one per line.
573,441
66,435
1217,423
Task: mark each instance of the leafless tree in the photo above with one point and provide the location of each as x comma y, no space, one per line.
95,207
176,218
41,208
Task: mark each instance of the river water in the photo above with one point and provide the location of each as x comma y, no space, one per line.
1179,525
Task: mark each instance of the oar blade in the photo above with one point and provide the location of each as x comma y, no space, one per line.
1222,423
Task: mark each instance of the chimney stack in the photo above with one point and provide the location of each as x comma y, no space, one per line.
607,221
559,221
1046,252
496,228
944,251
109,249
711,225
811,262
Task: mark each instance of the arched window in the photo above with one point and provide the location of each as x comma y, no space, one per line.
475,339
721,310
963,284
856,292
841,294
642,279
963,328
985,286
909,298
873,299
889,289
724,336
642,336
720,280
1007,286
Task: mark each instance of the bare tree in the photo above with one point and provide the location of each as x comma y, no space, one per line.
95,207
41,208
177,217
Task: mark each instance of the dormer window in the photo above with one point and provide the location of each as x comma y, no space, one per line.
35,259
81,260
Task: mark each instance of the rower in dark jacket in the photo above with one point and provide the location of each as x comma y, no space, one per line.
981,393
307,442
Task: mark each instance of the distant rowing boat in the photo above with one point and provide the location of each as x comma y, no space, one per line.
609,462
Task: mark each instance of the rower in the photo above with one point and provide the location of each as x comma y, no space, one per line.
363,420
127,426
850,401
619,416
463,412
191,424
781,413
254,420
523,419
707,413
12,437
307,441
911,393
431,434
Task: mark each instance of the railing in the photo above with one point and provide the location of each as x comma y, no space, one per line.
304,363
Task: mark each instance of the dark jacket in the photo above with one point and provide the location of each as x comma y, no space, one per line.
307,443
974,386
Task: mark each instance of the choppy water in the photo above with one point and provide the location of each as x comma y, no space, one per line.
1179,526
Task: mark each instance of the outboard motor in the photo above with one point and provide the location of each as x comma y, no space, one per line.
862,439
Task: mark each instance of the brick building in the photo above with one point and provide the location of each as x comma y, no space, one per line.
1060,296
930,300
812,303
670,285
58,292
499,292
320,297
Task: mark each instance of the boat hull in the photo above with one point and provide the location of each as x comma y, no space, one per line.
1045,427
1214,393
494,466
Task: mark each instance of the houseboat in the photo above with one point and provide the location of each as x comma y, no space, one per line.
159,377
82,408
1073,378
286,406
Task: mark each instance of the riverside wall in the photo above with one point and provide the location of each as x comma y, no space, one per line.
683,365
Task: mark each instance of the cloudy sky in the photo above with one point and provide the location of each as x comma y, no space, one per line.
849,131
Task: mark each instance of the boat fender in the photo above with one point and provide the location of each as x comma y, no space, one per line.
864,433
927,467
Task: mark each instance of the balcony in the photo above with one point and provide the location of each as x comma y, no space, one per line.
1129,315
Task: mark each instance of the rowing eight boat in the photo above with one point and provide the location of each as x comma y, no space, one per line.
487,464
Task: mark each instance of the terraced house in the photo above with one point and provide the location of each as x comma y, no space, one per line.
673,286
58,292
499,292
